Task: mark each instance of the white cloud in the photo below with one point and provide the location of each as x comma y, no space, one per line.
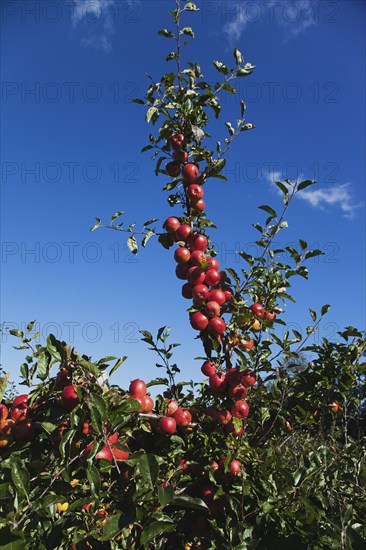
339,196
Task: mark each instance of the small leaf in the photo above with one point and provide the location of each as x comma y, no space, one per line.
305,184
325,309
238,57
191,7
312,314
313,253
116,215
166,33
268,209
146,238
188,31
219,66
186,501
132,244
154,529
94,479
118,364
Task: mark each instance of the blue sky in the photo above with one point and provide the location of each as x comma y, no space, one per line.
71,152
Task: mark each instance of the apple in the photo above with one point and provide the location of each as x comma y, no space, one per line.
200,292
223,417
173,169
120,454
235,467
244,344
19,413
103,454
147,404
137,388
167,424
63,379
187,291
4,412
20,399
217,295
240,409
172,406
182,255
208,368
213,263
248,379
256,325
194,192
217,382
24,431
182,417
334,406
230,429
190,172
212,309
269,315
234,376
197,241
195,275
181,271
6,428
198,257
69,398
237,392
214,465
171,225
198,320
177,141
212,277
199,206
180,156
183,232
216,326
258,309
228,293
208,492
87,429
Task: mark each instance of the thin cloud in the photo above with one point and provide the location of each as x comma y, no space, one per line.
339,196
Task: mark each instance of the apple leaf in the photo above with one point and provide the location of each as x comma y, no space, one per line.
238,57
186,501
305,184
166,33
132,244
154,529
149,468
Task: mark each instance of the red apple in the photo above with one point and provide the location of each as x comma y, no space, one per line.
190,172
212,277
187,291
217,382
4,412
224,417
173,169
235,467
199,206
198,321
137,388
180,156
237,392
167,425
19,413
247,345
228,293
120,454
248,378
258,309
200,292
20,399
63,379
270,315
194,192
171,225
147,404
183,232
212,309
208,368
177,141
214,465
234,376
216,326
182,255
213,264
181,271
208,492
69,398
172,406
182,417
195,275
240,409
230,429
197,257
198,242
217,295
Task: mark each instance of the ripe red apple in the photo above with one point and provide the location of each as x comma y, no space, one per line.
194,192
198,242
223,417
4,412
147,404
257,309
187,291
199,206
120,454
137,388
183,232
240,409
248,378
200,292
212,277
87,428
195,275
198,321
218,382
24,431
63,379
247,345
213,263
228,293
217,295
270,315
230,429
212,309
19,413
182,255
177,141
20,399
103,454
234,376
173,169
235,468
181,271
190,172
197,257
171,225
180,156
182,417
237,392
208,368
216,326
208,492
69,398
167,424
172,406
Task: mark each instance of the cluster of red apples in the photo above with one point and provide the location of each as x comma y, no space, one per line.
16,424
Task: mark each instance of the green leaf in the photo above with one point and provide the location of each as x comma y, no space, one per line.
238,57
305,184
114,525
100,404
94,479
147,237
229,126
150,113
89,367
191,7
118,364
186,501
12,540
116,215
188,31
20,477
268,209
312,314
313,253
219,66
132,244
52,347
43,365
149,468
166,33
282,187
325,309
154,529
165,494
17,333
